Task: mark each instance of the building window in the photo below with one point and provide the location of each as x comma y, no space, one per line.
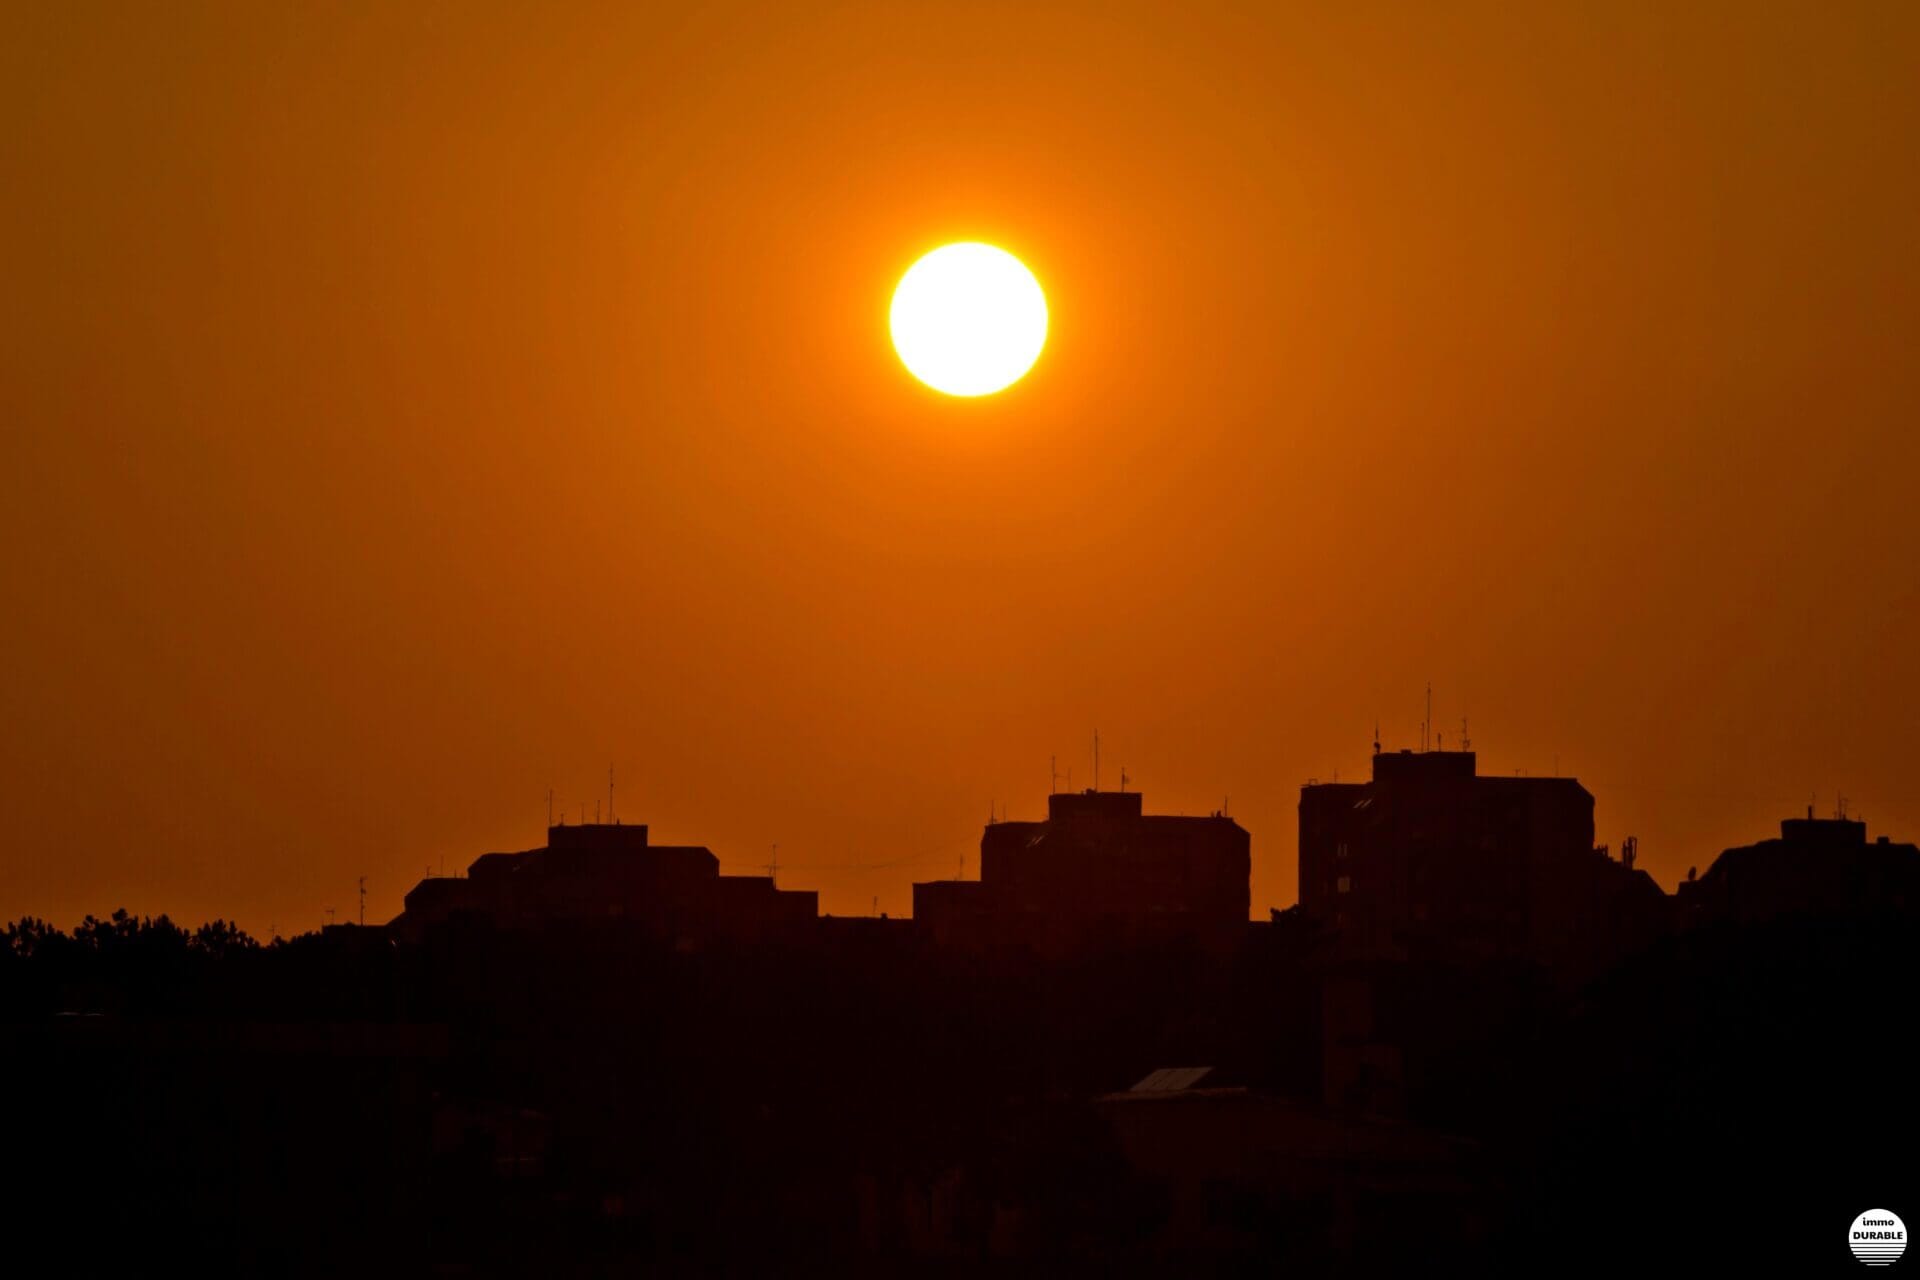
1343,885
1340,850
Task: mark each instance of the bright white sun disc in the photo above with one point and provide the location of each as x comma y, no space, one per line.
969,319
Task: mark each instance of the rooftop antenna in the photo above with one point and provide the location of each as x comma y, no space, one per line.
1123,779
963,868
1096,760
609,793
1226,806
1053,767
1466,743
329,916
363,902
1376,735
1426,725
773,866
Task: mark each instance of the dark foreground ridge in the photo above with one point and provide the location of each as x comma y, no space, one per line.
1477,1038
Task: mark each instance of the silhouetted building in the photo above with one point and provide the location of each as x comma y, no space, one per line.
607,872
1097,865
1432,854
1818,866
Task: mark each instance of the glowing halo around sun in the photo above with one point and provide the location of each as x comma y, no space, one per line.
969,319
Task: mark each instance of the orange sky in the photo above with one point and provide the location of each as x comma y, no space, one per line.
408,407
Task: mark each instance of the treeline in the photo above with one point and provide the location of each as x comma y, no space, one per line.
124,964
30,937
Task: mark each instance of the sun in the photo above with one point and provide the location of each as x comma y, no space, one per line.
969,319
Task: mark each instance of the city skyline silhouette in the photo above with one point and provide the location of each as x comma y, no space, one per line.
605,1053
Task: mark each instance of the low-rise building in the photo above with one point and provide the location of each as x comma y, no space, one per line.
1818,866
1098,866
607,872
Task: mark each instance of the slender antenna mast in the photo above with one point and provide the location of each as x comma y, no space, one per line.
1376,735
363,902
1053,767
1466,743
1426,725
609,793
773,866
1096,759
1123,779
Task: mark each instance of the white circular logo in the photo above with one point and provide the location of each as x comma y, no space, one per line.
1878,1237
